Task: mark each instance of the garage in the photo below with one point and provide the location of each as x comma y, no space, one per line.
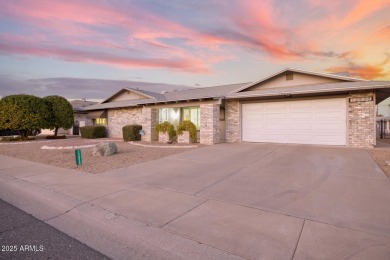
316,121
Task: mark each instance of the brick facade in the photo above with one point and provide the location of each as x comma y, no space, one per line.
184,138
117,118
150,120
232,120
361,120
163,137
209,123
360,116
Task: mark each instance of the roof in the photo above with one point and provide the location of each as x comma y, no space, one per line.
179,95
233,91
312,89
146,94
327,75
120,104
80,104
199,93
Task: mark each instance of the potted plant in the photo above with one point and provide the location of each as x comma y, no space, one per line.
186,131
166,132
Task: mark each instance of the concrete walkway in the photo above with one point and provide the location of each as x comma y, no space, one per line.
228,201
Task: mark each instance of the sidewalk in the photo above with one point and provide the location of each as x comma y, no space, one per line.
62,198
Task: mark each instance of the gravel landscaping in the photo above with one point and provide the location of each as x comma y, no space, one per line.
127,155
381,157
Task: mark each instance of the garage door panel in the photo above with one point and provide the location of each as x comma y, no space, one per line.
301,139
329,114
327,127
301,115
302,126
277,126
306,122
276,138
277,116
272,106
303,105
329,104
328,139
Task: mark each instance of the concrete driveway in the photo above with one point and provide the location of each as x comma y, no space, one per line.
256,201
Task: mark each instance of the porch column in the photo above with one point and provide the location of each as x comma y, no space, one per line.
150,119
209,123
361,119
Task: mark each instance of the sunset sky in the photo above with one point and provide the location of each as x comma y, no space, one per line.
91,48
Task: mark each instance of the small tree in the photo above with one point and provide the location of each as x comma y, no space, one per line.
60,113
24,113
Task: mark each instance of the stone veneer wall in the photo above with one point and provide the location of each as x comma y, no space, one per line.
209,123
117,118
361,121
145,116
232,120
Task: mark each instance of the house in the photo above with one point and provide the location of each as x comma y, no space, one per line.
80,118
291,106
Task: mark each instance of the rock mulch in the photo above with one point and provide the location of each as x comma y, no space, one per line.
382,157
127,154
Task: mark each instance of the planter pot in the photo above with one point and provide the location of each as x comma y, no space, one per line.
163,137
184,138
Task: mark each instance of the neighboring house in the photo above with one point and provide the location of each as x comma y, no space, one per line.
291,106
80,118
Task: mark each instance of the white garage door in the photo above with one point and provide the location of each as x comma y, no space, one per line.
320,121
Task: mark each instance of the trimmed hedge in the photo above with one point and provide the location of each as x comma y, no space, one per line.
166,127
15,139
131,133
187,125
56,137
92,132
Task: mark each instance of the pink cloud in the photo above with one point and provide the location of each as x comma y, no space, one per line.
121,34
74,55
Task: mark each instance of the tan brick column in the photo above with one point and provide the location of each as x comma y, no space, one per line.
361,119
209,123
149,121
232,120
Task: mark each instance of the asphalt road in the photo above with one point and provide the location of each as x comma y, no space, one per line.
24,237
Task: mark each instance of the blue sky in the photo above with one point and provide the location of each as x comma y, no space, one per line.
89,49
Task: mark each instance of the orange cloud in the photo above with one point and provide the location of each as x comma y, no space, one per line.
365,71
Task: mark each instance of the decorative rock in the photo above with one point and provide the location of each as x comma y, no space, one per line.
105,149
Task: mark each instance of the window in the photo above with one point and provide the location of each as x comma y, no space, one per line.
100,121
192,114
175,115
172,115
289,76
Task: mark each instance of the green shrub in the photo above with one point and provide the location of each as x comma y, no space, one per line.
187,125
60,113
56,137
166,127
92,132
131,133
23,113
15,139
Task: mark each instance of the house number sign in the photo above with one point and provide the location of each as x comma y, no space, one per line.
360,99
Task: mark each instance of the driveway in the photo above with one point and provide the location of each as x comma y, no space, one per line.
256,201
